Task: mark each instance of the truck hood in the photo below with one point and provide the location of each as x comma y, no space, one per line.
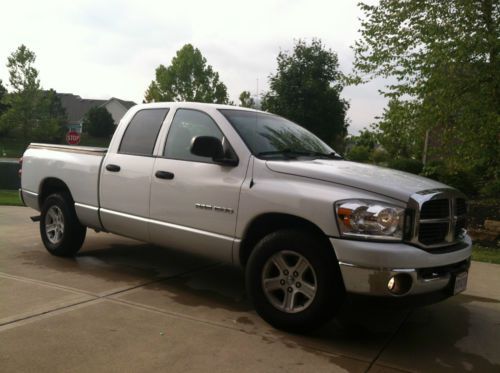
391,183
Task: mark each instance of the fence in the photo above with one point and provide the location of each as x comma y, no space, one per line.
9,177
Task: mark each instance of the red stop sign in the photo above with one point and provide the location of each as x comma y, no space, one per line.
73,138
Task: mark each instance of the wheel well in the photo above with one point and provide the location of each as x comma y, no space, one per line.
268,223
50,186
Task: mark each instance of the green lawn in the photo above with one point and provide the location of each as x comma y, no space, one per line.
486,254
9,198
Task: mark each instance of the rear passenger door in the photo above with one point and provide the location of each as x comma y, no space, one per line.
126,176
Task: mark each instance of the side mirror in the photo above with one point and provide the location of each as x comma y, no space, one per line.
211,147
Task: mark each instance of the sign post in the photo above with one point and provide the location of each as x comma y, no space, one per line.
73,138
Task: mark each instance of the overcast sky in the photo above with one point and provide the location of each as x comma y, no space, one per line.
105,48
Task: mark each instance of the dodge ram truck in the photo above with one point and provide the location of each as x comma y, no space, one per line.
256,190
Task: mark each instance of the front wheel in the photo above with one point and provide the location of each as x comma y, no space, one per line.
61,232
294,281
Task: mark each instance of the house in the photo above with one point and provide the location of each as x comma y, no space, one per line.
76,108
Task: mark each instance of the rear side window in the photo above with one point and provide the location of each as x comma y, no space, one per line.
140,136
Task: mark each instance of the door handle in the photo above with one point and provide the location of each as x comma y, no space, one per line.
164,175
112,167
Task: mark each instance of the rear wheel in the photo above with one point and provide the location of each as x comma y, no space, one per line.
294,281
61,232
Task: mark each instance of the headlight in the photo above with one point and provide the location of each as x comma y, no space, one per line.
367,219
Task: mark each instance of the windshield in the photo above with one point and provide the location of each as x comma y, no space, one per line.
270,136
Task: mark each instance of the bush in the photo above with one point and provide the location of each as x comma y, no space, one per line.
98,122
412,166
463,180
379,156
491,189
359,153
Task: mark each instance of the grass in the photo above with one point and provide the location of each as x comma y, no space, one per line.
11,147
486,254
9,198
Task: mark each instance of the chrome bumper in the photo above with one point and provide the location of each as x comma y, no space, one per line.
374,282
367,267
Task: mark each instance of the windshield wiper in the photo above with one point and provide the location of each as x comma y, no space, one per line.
292,154
331,155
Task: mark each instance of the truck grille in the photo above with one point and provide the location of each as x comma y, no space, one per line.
435,209
441,218
433,233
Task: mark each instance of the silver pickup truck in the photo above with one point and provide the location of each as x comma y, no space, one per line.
253,189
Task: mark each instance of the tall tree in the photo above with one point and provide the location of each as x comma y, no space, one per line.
32,114
443,59
188,78
51,118
306,89
3,94
246,99
24,97
98,122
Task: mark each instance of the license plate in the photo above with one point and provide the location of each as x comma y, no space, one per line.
460,283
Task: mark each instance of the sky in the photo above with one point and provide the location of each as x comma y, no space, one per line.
108,48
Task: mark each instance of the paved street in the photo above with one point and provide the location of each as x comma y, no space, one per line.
122,305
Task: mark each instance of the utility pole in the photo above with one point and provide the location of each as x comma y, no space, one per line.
426,145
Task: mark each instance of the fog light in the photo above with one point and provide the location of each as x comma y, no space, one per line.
390,284
400,284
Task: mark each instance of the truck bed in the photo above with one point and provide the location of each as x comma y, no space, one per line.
78,167
70,148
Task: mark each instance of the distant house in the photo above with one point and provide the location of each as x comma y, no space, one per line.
76,108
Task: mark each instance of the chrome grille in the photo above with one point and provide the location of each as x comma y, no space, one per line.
435,209
433,233
440,217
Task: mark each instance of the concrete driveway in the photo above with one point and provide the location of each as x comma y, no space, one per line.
122,305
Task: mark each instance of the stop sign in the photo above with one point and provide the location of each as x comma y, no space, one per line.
73,138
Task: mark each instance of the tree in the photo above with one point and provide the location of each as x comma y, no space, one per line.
443,60
246,100
306,89
51,118
401,130
32,114
188,78
98,122
3,94
24,98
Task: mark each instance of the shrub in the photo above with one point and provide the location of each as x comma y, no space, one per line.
359,153
406,164
379,156
463,180
491,189
98,122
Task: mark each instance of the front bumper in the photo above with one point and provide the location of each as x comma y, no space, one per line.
367,267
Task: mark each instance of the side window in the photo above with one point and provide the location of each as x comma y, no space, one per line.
186,125
140,136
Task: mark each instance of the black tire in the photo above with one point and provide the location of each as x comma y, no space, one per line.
329,294
72,235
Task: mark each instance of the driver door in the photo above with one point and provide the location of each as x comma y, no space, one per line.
194,201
